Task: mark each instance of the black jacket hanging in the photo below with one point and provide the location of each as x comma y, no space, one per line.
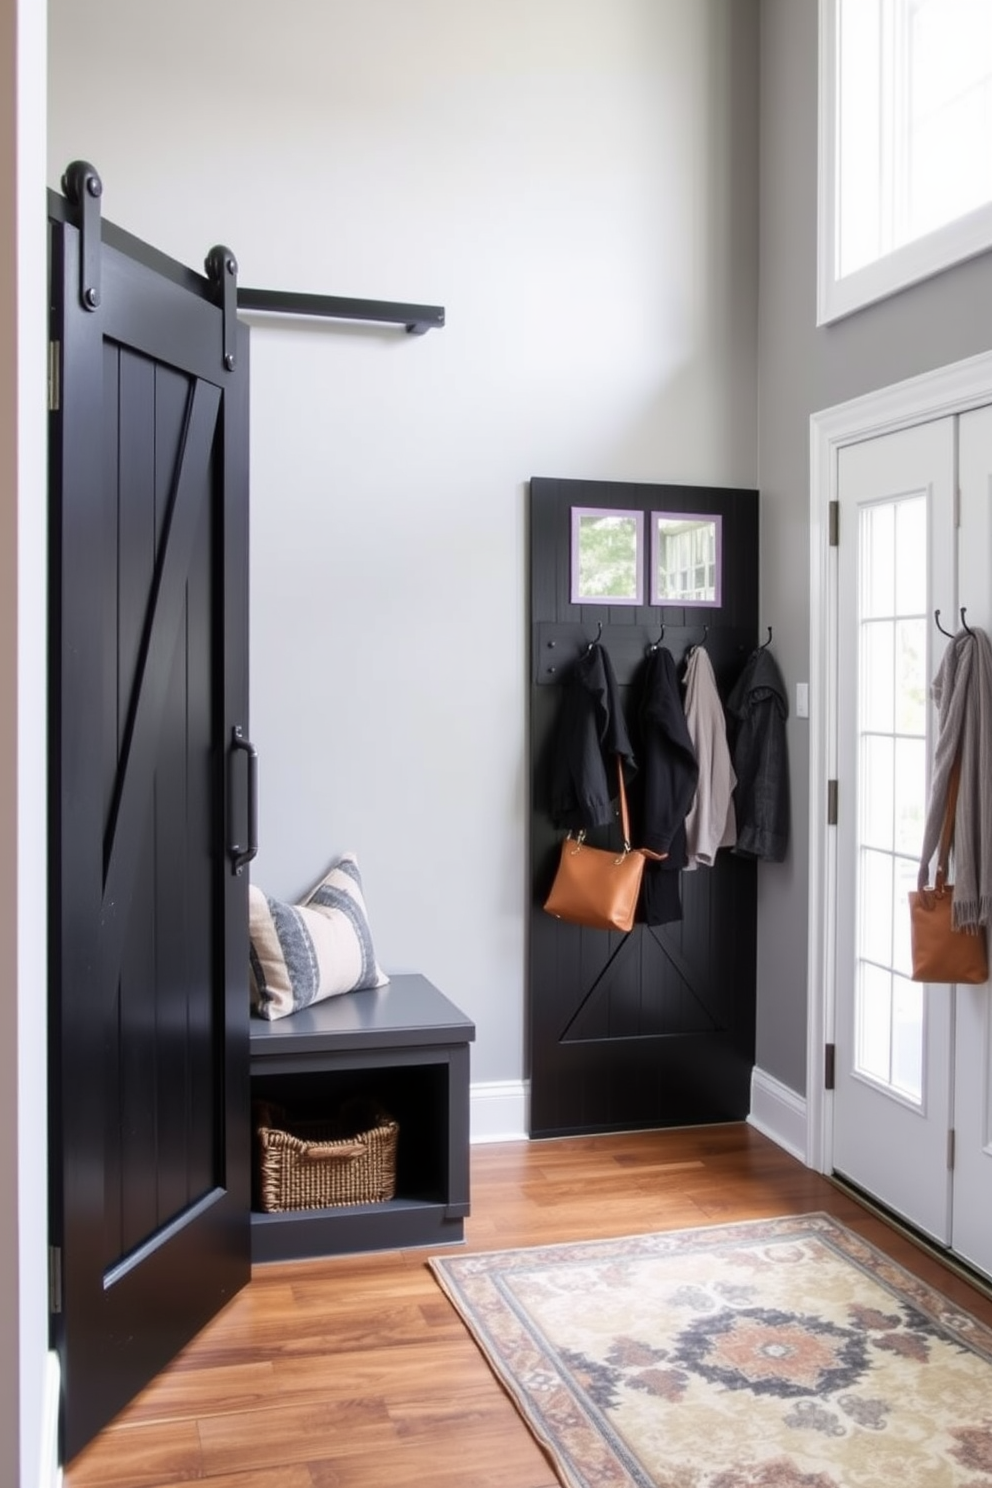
590,732
759,706
669,772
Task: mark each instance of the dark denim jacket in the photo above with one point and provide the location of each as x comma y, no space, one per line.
758,706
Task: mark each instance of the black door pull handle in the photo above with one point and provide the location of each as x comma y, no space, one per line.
240,856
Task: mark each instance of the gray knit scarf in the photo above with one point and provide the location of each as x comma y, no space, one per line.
962,691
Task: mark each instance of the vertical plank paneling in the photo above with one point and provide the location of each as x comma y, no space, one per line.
175,958
139,1094
172,395
204,824
106,746
108,596
550,588
172,951
136,521
138,1015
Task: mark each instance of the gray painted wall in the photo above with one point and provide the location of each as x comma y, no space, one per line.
802,370
575,180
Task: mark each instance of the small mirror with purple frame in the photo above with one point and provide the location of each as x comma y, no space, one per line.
685,558
607,556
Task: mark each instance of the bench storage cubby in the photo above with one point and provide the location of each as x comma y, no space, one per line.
404,1047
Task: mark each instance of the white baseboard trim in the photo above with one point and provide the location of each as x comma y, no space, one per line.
499,1111
778,1112
49,1472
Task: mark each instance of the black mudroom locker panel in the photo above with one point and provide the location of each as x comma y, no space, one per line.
656,1027
150,805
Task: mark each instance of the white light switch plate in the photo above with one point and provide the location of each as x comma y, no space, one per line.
802,699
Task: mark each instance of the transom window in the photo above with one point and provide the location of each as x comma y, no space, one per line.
905,144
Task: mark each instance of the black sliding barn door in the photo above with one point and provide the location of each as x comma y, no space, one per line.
653,1028
149,1003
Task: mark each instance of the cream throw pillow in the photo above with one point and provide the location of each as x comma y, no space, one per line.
301,953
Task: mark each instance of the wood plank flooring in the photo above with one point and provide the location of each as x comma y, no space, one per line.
355,1372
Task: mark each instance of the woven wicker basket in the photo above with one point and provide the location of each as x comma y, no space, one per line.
323,1164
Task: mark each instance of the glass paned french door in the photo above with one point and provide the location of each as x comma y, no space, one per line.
893,1035
892,787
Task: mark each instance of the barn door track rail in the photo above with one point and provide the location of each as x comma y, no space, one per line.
83,189
415,318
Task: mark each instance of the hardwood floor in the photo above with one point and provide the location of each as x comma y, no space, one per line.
355,1372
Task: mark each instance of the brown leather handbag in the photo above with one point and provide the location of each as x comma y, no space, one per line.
941,953
596,886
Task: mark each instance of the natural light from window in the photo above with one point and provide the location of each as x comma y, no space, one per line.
906,143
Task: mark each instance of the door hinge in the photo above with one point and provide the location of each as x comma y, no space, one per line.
55,1278
950,1149
833,524
54,375
829,1065
831,803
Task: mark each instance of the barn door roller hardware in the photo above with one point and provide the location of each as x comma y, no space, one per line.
416,318
83,188
222,271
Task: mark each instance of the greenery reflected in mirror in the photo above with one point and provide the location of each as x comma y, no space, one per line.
685,558
607,561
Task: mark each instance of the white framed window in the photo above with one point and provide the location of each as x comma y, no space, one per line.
905,144
686,558
607,556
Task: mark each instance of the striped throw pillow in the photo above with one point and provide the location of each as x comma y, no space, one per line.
301,953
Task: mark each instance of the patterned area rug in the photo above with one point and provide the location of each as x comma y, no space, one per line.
784,1353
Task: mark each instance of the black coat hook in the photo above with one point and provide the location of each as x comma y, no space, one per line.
655,644
765,644
964,610
599,636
